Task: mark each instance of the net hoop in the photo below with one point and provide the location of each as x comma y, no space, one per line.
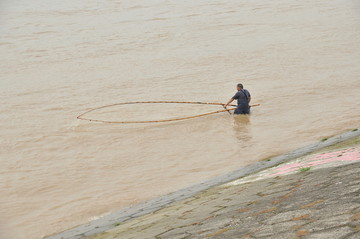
82,116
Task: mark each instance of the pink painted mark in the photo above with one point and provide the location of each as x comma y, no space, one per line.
352,154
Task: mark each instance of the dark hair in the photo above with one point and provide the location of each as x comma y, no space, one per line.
240,86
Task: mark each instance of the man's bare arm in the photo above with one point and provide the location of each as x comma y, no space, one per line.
229,102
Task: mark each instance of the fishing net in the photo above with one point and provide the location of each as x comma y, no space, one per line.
144,110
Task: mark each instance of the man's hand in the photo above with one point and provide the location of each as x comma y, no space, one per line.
225,105
229,102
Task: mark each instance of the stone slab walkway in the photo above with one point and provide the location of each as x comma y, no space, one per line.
315,196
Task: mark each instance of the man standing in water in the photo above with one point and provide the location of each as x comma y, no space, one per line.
243,97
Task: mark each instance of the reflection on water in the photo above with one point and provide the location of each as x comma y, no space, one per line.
241,125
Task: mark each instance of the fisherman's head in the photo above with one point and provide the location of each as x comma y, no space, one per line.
239,87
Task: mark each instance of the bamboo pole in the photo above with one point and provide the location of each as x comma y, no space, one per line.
81,116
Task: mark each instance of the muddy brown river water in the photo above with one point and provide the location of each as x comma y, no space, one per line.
299,59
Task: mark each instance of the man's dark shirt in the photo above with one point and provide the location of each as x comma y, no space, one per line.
242,96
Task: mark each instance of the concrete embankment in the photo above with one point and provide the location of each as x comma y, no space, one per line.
313,194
